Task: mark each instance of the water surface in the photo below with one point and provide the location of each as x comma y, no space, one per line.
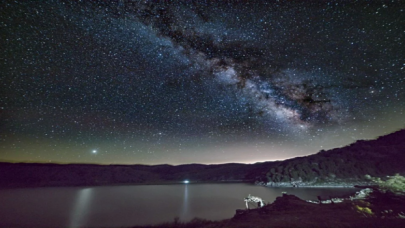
117,206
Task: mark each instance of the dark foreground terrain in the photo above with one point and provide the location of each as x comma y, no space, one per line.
290,211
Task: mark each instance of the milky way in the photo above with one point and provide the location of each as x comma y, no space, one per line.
156,82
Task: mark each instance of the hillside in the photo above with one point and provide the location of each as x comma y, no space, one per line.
379,157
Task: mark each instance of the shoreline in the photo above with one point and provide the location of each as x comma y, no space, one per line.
337,184
276,185
42,185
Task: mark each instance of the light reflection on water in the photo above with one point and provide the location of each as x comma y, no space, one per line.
81,207
185,204
120,206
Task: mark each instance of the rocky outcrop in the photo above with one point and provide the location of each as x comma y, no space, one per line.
291,211
283,203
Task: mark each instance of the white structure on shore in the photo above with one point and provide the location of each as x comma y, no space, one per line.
253,199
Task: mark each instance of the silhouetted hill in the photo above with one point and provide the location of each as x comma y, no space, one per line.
38,174
379,157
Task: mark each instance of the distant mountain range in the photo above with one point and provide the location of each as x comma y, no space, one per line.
379,157
38,174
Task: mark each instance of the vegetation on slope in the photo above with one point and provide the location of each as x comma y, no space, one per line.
380,157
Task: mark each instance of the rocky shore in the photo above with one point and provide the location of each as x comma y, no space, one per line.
291,211
315,184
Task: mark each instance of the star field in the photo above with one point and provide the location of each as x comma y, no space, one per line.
147,82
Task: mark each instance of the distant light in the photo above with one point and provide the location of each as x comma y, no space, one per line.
186,181
94,151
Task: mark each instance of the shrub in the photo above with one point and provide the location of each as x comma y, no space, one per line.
394,184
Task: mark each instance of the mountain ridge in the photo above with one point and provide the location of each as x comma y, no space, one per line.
379,157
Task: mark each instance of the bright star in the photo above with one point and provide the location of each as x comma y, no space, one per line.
94,151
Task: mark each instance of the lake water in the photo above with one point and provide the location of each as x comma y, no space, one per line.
117,206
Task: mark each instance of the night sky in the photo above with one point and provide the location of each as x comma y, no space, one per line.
142,82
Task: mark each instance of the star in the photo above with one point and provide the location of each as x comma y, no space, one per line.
146,85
